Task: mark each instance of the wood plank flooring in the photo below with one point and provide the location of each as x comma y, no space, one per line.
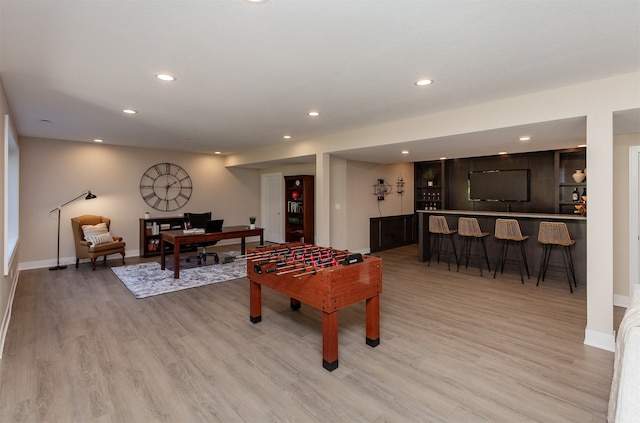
455,347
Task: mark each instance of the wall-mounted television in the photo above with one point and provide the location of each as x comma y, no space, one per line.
499,185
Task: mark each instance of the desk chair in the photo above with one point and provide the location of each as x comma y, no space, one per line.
199,220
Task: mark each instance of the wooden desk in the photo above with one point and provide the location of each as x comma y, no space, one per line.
178,237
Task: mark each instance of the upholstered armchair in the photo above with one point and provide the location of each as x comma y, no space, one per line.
93,240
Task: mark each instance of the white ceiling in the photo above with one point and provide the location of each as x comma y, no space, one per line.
248,73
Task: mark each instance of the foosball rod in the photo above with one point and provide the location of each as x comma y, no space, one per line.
272,252
293,253
311,272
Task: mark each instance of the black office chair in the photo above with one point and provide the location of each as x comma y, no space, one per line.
199,220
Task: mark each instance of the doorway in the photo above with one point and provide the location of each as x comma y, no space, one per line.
272,206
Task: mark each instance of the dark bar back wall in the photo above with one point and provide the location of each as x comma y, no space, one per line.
541,182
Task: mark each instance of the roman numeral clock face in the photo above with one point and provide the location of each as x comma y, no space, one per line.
166,187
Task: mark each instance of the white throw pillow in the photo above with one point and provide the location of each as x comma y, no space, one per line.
99,239
91,230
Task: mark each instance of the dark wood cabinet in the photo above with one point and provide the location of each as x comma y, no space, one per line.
299,208
391,231
150,233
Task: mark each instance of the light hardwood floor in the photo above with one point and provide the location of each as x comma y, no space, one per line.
455,347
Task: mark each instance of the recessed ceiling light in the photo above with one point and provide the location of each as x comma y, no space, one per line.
97,140
405,151
423,82
130,111
256,1
287,137
502,153
525,138
165,77
443,158
582,145
217,152
314,114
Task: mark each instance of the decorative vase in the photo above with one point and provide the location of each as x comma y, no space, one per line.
578,176
252,226
147,216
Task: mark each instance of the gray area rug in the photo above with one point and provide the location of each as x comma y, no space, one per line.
147,279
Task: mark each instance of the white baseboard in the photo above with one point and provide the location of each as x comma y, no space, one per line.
68,261
7,313
603,341
621,301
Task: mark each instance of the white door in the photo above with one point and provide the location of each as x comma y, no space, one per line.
272,207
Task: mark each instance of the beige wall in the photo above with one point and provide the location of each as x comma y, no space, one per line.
621,146
53,172
352,200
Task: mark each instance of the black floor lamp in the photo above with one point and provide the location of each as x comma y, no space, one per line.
89,196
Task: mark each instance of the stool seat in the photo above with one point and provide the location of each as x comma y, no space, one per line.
469,230
552,234
508,232
439,229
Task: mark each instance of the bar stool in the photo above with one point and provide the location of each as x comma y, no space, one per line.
508,231
439,229
469,230
551,234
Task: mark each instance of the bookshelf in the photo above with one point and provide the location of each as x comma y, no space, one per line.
299,208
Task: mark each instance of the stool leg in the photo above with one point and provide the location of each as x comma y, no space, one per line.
568,266
573,269
504,258
565,260
500,257
486,257
462,252
453,247
469,243
544,261
547,260
524,258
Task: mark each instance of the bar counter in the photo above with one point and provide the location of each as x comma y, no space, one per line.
529,223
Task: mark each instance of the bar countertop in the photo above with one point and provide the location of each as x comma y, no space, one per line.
508,214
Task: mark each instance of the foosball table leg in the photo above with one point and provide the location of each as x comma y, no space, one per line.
294,304
255,302
373,321
330,340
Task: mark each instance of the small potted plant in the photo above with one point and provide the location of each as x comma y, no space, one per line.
430,176
252,222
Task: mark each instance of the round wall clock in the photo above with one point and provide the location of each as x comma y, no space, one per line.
166,186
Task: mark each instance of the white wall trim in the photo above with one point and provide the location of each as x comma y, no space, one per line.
621,300
634,212
7,313
604,341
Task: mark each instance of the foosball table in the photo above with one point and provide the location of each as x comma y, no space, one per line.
324,278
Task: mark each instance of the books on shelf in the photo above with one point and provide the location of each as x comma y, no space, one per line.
294,206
